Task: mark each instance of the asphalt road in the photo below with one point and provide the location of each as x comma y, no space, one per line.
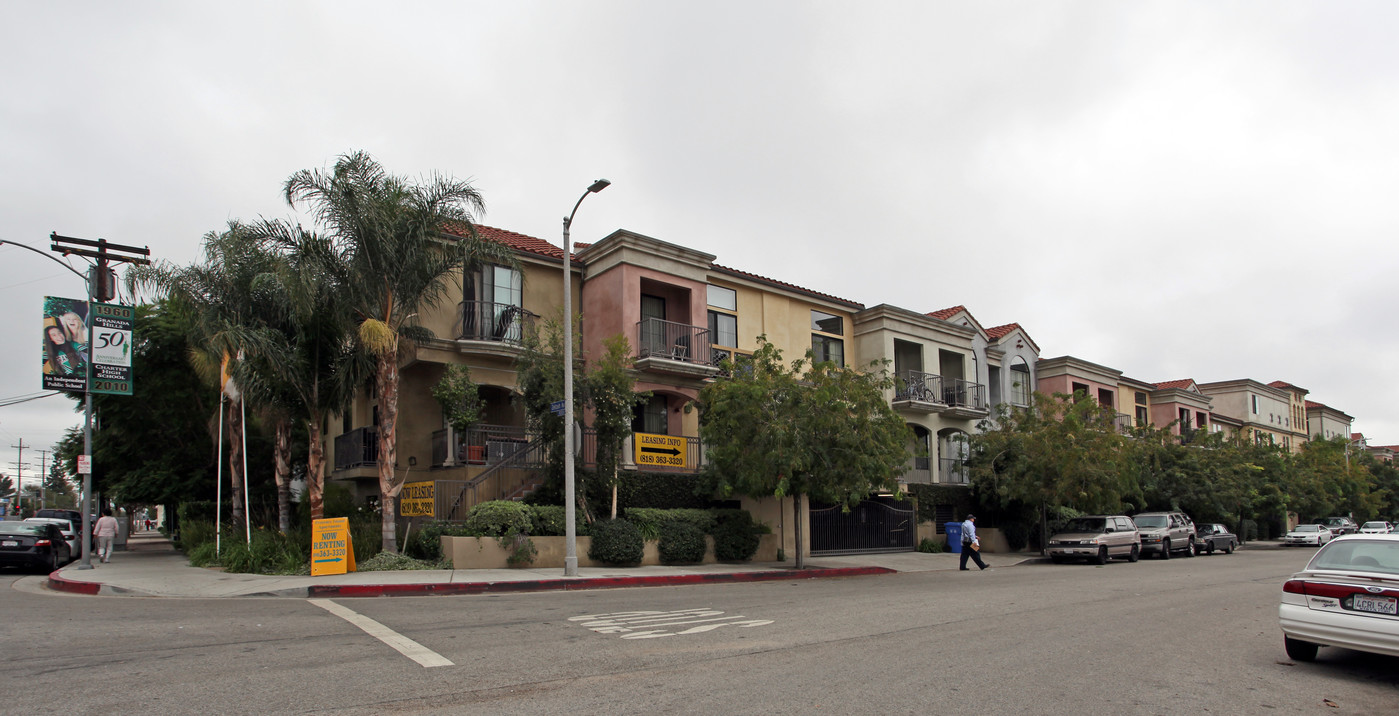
1185,636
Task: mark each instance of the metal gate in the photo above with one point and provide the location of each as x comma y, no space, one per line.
871,526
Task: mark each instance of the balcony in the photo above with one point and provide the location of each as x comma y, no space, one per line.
953,471
499,324
1123,422
490,445
918,471
919,392
964,399
675,348
357,448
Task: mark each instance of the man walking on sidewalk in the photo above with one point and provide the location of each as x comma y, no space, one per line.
105,531
970,544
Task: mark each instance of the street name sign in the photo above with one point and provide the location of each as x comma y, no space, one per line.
331,549
660,450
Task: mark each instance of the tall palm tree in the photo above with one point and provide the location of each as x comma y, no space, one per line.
309,358
223,292
389,233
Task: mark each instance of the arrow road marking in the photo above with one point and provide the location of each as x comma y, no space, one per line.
425,657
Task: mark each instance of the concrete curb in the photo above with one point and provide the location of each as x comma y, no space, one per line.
547,585
60,584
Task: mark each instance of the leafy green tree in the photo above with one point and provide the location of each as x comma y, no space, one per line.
154,446
1057,453
388,234
459,397
7,486
805,429
611,390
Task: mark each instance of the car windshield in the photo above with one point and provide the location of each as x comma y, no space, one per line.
1373,526
1084,524
1366,555
1150,521
21,528
1307,528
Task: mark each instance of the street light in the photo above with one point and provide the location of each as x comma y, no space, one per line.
570,560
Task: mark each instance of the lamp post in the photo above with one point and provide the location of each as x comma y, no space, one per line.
570,560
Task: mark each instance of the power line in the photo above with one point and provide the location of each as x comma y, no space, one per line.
16,400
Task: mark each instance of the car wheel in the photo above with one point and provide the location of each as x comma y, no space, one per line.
1209,548
1229,548
1190,549
1166,549
1135,554
1103,554
1299,650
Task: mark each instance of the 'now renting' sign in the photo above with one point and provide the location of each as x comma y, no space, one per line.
331,550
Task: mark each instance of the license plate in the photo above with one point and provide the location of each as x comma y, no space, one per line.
1375,605
9,543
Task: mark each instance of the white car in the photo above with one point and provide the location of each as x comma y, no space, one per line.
1347,596
70,535
1315,535
1376,528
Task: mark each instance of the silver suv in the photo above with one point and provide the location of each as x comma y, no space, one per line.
1166,532
1096,538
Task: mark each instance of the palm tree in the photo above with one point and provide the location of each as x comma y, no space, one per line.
389,233
308,361
223,291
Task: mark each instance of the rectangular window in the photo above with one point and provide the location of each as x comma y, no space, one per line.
826,323
1105,398
650,417
993,376
1141,398
725,298
824,349
1255,403
1076,388
723,329
1141,416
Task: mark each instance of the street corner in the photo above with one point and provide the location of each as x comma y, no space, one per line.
59,583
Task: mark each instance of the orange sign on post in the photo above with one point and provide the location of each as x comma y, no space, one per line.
331,549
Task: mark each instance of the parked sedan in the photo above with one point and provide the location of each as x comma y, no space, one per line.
1315,535
34,545
1376,528
1347,596
1215,536
70,534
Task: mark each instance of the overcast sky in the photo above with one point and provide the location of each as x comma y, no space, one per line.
1196,190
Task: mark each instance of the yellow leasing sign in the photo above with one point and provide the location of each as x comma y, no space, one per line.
331,551
666,450
417,499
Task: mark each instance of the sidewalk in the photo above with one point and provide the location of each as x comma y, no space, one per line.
152,567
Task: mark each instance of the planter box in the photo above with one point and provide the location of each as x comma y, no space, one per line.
486,552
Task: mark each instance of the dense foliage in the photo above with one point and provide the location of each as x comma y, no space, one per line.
616,542
681,543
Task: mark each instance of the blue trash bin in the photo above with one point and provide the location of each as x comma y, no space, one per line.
954,536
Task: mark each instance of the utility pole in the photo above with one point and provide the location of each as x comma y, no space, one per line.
19,470
101,287
43,475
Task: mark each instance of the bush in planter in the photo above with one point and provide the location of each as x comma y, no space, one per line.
736,536
549,521
499,518
681,543
616,542
426,543
650,520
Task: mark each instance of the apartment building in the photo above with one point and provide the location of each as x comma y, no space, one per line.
1181,407
1266,412
1325,422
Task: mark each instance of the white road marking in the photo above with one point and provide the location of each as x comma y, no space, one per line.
641,625
413,650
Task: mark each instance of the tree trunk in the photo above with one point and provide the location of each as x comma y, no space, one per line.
235,459
387,378
797,527
315,469
282,457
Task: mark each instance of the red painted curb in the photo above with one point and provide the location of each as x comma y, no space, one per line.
547,585
60,584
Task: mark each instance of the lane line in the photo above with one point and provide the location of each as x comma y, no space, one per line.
402,644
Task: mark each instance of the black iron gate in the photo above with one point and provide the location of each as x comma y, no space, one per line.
872,526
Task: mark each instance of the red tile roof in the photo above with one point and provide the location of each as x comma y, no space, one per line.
1313,404
784,284
519,242
1174,384
947,313
1000,331
1285,386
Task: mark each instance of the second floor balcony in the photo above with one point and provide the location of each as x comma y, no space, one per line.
676,348
500,323
357,448
930,393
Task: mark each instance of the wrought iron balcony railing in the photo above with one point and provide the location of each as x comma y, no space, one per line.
501,322
918,386
673,341
357,448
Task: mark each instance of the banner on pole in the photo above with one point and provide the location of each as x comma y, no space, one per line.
65,344
112,325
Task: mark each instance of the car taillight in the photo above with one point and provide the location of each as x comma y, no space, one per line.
1294,586
42,543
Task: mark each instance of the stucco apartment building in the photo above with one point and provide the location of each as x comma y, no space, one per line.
1269,413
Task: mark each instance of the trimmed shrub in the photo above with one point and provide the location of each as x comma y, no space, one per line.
550,521
616,542
735,536
681,543
930,546
1017,535
426,543
500,518
650,520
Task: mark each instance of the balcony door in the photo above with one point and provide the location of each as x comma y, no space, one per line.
653,339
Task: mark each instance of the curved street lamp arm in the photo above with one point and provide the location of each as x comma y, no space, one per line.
51,258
